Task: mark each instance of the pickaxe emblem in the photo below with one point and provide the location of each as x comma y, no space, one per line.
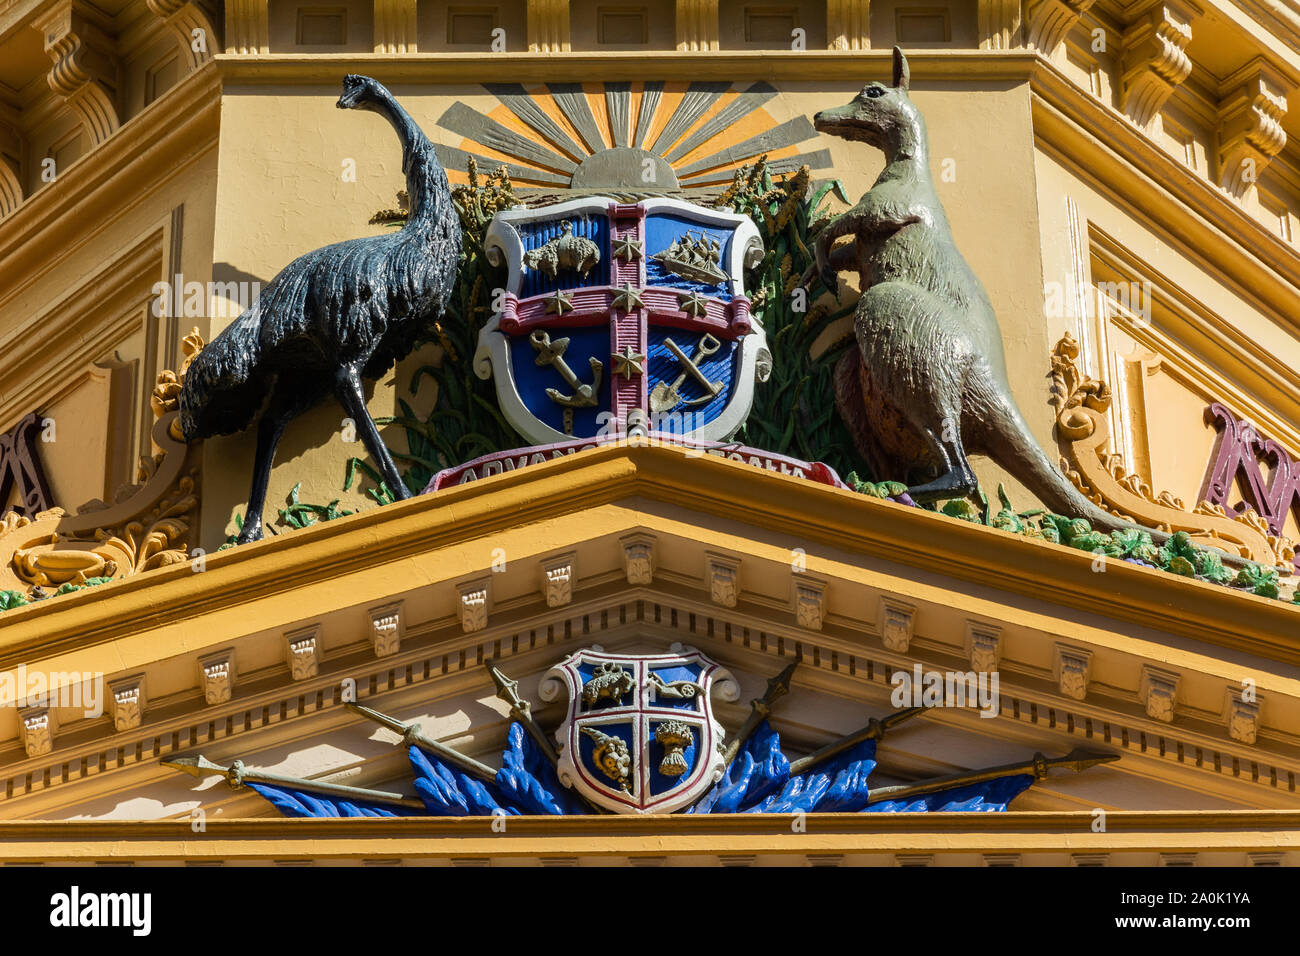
666,397
552,354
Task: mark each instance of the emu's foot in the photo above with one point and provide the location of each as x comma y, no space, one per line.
252,531
951,484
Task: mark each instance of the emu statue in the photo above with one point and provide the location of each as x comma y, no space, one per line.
331,318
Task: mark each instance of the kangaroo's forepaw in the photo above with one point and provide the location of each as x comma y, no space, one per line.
832,281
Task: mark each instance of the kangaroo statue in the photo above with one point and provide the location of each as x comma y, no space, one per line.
928,382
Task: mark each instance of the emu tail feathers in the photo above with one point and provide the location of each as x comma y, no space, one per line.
224,387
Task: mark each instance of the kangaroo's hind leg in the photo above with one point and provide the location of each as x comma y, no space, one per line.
912,354
957,480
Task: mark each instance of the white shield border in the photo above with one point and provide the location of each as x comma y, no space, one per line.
504,245
564,677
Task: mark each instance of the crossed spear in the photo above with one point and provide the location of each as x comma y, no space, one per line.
237,775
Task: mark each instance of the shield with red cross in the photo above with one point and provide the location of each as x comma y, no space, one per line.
614,309
640,735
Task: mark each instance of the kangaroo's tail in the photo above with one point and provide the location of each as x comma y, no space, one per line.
1012,445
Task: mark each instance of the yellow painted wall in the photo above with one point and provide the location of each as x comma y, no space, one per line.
283,194
1183,373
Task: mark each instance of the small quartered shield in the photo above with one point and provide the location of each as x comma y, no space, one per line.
612,308
640,735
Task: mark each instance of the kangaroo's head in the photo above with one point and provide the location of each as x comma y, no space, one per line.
881,115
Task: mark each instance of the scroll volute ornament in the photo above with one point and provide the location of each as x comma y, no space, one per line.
1083,431
147,525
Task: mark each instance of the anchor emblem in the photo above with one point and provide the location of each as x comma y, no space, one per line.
666,397
552,354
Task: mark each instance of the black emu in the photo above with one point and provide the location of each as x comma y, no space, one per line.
332,317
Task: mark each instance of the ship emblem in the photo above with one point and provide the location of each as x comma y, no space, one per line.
693,256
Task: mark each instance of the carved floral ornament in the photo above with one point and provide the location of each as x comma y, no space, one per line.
1083,431
147,524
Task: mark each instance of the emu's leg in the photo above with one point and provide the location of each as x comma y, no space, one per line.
347,385
269,430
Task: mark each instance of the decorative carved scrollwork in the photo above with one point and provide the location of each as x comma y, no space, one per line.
1083,430
147,525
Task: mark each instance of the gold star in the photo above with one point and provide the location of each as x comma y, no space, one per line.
627,249
695,304
559,303
628,363
628,298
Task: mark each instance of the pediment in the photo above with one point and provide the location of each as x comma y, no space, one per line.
636,549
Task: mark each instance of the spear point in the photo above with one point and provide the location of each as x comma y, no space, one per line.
1076,761
508,689
199,766
779,686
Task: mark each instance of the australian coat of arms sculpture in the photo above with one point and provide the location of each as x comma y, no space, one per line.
618,309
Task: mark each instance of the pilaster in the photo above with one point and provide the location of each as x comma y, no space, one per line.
247,27
697,25
548,26
999,24
848,24
395,29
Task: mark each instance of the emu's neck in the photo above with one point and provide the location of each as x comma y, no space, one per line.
419,163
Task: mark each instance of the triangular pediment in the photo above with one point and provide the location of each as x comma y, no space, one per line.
636,549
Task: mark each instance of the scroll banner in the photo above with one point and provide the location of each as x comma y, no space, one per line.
519,458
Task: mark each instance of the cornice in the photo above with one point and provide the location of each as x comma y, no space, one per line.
1099,144
471,839
1281,18
170,133
820,515
438,661
853,66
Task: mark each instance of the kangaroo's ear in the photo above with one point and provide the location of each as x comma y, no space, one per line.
902,76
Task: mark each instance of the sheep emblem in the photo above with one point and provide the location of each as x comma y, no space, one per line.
567,251
608,682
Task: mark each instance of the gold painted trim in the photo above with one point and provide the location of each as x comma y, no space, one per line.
814,513
853,66
441,838
1082,434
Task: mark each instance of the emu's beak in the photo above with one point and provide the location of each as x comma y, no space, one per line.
351,94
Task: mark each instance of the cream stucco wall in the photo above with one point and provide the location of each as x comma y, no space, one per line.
282,191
